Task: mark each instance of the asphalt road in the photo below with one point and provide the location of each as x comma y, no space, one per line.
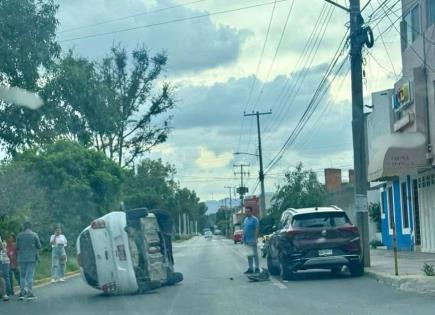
214,284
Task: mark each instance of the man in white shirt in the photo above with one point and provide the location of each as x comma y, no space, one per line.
58,255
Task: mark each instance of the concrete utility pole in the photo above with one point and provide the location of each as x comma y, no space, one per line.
359,36
231,208
260,157
241,173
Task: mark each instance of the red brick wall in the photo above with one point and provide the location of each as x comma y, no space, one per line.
332,178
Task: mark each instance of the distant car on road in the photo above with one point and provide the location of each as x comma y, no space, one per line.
238,236
314,238
217,232
208,234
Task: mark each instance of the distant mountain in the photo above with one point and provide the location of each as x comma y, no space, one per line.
213,205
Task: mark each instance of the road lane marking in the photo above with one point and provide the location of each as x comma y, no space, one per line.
273,280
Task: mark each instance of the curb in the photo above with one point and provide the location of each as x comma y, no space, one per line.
42,282
409,283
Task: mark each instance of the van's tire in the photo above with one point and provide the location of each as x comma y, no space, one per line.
146,286
174,277
273,269
357,269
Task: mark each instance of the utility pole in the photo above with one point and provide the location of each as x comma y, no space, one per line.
260,157
231,209
359,36
242,191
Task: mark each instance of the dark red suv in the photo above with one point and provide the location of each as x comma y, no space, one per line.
314,238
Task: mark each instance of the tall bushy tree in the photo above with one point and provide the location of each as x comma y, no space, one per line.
79,185
300,189
118,105
28,48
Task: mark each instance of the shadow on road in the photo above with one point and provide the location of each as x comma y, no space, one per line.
318,275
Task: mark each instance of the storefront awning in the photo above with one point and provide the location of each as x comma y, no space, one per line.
396,155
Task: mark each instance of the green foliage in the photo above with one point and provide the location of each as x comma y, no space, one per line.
428,270
300,189
28,49
79,185
375,244
115,105
152,186
375,214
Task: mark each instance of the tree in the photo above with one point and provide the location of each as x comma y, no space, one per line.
79,185
151,186
28,49
300,189
115,105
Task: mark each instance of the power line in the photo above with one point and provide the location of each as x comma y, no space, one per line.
312,105
276,52
254,79
305,61
130,16
172,21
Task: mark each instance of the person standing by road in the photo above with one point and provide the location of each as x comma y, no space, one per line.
58,255
4,271
11,248
28,245
250,235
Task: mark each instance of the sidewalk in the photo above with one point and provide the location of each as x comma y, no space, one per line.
411,277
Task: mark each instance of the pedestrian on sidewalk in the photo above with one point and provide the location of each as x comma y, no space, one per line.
28,245
4,272
14,271
58,255
250,236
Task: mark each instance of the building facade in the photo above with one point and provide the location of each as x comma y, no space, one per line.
400,133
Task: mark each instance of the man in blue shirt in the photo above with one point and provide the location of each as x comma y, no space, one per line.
250,235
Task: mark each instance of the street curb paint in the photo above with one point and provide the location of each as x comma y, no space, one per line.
42,282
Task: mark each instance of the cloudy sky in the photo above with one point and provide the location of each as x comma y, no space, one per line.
219,68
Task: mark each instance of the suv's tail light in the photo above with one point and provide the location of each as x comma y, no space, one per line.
98,224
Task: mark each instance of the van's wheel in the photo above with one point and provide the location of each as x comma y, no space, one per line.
273,268
146,286
357,269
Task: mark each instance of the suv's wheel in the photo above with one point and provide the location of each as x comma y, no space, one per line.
273,268
357,269
286,272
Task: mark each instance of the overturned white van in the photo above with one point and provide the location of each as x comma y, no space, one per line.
128,252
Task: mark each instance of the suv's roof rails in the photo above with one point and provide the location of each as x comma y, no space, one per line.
335,207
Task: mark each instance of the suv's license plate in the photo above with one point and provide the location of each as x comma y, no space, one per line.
325,252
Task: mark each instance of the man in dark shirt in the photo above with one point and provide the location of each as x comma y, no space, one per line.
28,245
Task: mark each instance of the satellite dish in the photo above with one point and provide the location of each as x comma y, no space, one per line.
22,97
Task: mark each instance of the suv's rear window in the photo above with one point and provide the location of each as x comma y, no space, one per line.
320,219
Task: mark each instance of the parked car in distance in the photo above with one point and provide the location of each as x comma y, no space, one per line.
314,238
238,236
208,234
